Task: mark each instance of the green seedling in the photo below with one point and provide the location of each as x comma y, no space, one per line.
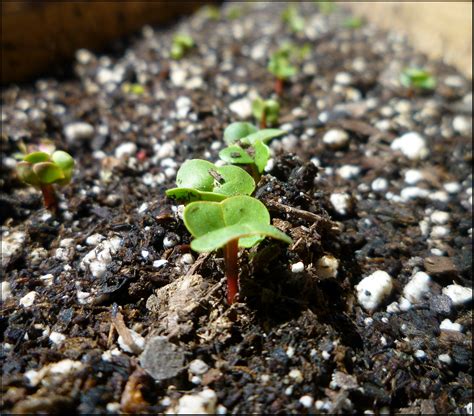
248,146
42,170
326,7
212,12
180,45
293,19
239,221
133,88
198,180
417,78
234,13
266,111
353,22
280,66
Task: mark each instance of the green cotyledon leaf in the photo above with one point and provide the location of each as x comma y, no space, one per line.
203,218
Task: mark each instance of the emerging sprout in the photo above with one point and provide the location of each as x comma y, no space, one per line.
353,22
266,111
136,89
248,149
326,6
280,66
202,180
417,78
181,44
42,170
212,12
239,221
234,13
293,19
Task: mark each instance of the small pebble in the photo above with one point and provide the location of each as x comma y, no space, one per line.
458,294
137,339
439,217
56,337
413,192
417,287
379,185
307,401
198,367
6,291
348,171
297,267
242,107
341,202
445,358
78,131
439,231
413,176
336,138
452,187
28,300
203,402
327,266
373,289
159,263
420,354
412,145
448,325
126,149
296,375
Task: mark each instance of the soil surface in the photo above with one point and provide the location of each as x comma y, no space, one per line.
104,307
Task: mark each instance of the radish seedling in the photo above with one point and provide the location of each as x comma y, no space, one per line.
239,221
417,78
281,67
265,111
293,19
180,45
202,180
248,149
42,170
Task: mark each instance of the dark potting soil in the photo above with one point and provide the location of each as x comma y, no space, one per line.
371,181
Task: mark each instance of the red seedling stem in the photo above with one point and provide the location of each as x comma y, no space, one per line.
231,251
279,86
49,198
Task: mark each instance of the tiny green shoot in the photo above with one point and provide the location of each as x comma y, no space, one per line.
42,170
180,45
211,12
133,88
293,19
248,146
265,111
239,221
417,78
234,13
326,6
280,66
202,180
353,22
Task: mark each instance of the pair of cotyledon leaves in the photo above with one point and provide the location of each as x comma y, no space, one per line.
247,145
41,168
222,210
242,218
202,180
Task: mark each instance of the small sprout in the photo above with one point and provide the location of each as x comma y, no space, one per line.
180,45
326,6
234,13
42,170
238,130
266,111
135,89
417,78
281,67
212,12
239,221
248,149
202,180
353,22
293,19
